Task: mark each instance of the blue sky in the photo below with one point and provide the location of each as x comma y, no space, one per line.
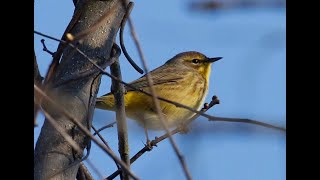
250,82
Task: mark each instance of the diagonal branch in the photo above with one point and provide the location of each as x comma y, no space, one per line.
154,142
157,104
84,130
72,143
77,96
57,55
209,117
83,173
96,132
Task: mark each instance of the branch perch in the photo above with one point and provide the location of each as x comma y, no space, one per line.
118,92
209,117
180,129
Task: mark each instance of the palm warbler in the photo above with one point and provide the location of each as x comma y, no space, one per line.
183,79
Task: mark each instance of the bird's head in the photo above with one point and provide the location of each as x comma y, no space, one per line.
195,60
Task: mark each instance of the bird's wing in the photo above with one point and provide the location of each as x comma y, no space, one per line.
158,78
143,83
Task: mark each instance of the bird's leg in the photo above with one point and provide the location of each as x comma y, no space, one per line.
148,143
184,128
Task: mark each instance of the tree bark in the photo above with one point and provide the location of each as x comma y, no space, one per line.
53,153
38,81
118,91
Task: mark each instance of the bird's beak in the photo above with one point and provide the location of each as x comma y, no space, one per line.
211,60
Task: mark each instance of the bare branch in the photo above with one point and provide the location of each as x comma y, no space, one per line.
104,141
209,117
78,97
95,169
213,5
85,131
135,39
154,142
118,92
61,46
105,127
157,103
83,173
45,48
69,139
123,23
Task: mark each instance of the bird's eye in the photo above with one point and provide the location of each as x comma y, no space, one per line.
195,61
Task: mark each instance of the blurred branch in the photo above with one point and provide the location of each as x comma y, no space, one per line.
105,142
83,173
36,73
69,139
37,80
249,121
77,96
211,5
180,129
93,28
62,131
157,104
57,55
209,117
84,130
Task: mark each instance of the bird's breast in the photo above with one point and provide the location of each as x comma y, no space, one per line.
189,91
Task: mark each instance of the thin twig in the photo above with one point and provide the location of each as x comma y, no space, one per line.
89,72
85,131
154,142
123,23
135,39
157,103
95,169
102,139
209,117
105,143
57,55
105,127
45,48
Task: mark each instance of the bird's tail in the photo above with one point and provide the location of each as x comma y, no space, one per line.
105,102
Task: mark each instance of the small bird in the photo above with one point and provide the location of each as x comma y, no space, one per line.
183,79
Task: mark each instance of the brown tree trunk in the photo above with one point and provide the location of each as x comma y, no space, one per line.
53,153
